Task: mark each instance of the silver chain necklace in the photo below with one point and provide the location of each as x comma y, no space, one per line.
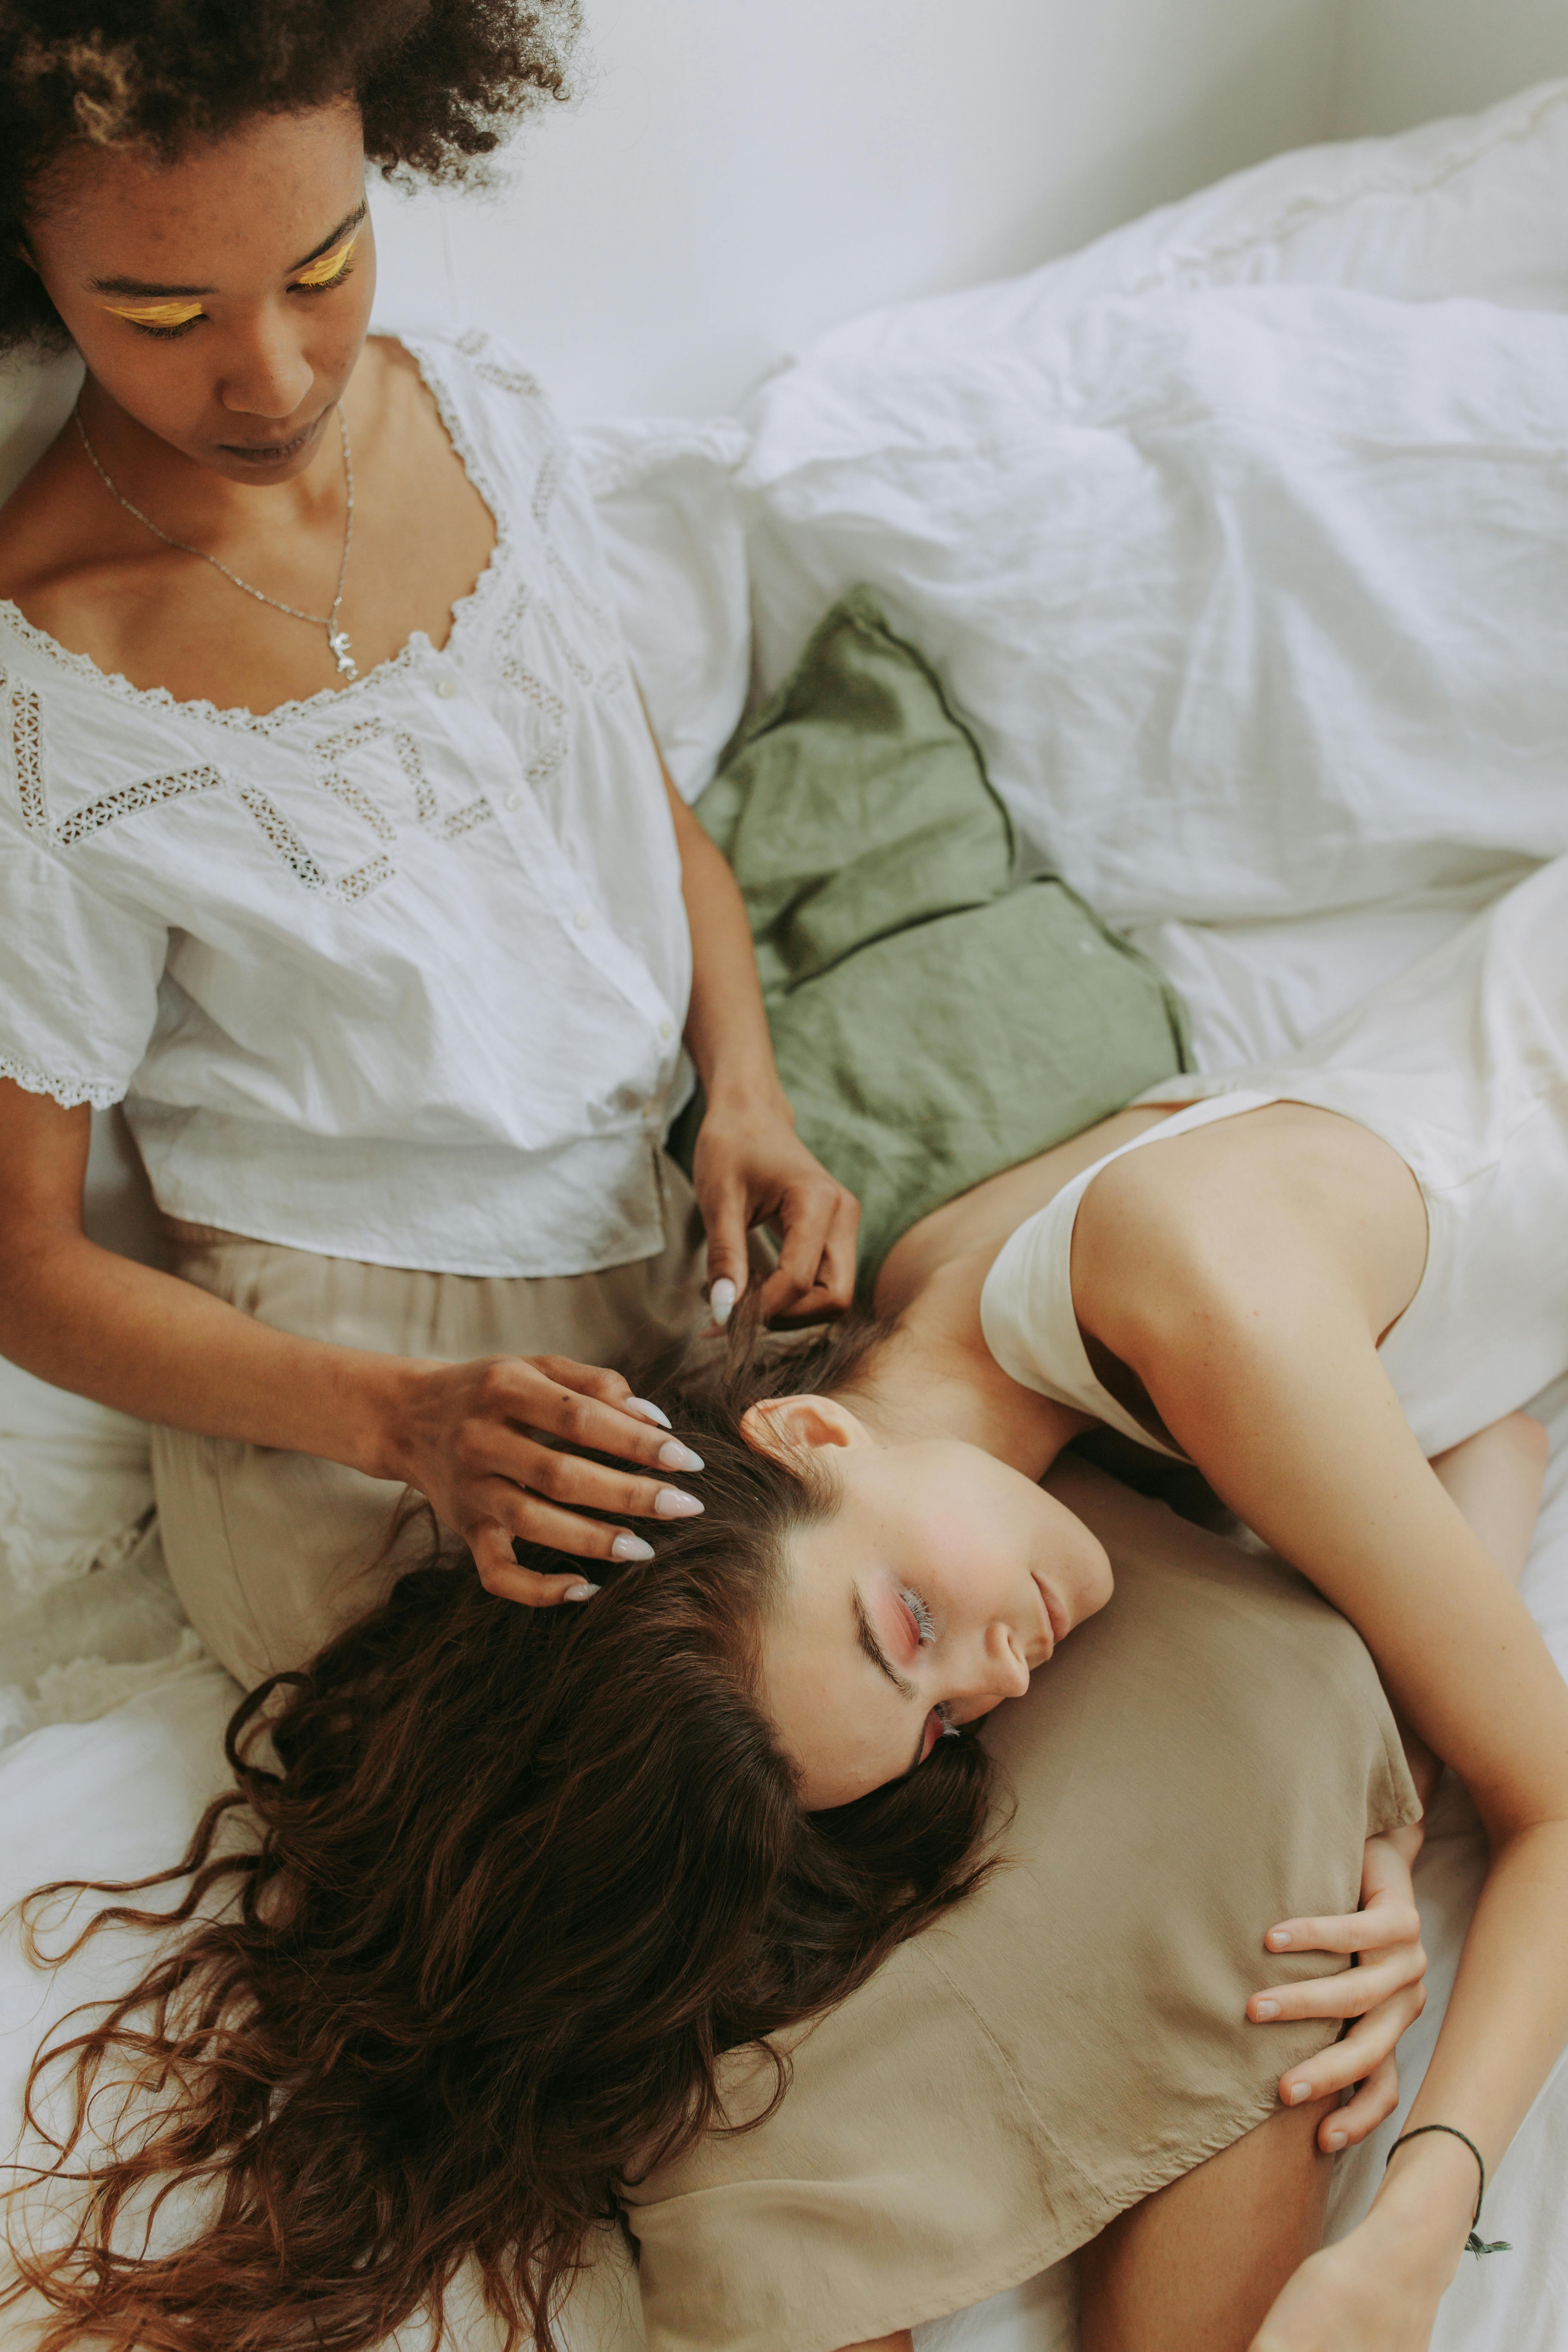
337,638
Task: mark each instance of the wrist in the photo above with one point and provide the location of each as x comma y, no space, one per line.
383,1416
747,1092
1423,2209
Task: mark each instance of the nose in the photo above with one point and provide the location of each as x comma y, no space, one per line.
1006,1670
265,373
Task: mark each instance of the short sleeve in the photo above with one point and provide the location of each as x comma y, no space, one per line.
79,980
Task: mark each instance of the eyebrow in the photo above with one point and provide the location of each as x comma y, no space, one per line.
146,287
866,1636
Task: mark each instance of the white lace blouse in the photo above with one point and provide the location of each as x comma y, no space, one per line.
396,973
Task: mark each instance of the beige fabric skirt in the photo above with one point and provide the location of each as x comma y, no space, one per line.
272,1552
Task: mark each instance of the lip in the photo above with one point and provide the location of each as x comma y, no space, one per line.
270,453
1056,1616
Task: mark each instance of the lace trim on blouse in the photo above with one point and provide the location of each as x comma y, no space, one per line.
426,357
69,1093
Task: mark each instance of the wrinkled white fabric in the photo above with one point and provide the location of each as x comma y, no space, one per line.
1250,590
398,973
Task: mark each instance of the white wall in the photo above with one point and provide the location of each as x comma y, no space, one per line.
1402,62
744,172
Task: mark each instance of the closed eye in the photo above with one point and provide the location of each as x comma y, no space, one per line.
865,1635
330,271
919,1615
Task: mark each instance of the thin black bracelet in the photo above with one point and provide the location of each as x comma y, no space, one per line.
1473,2244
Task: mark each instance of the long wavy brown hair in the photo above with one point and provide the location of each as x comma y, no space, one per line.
515,1879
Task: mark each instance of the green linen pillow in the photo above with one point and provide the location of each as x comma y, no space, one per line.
934,1021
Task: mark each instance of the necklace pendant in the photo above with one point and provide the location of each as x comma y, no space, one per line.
339,641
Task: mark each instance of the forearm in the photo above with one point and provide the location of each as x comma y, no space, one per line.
166,1352
1311,1449
727,1025
1495,1480
1506,2021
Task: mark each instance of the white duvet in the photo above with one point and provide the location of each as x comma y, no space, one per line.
1239,539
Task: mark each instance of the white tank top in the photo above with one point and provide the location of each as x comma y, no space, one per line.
1460,1065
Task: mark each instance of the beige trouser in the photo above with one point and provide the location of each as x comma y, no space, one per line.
272,1552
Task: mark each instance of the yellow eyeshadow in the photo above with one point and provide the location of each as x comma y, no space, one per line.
155,314
322,272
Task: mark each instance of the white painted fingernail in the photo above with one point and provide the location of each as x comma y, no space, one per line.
722,1301
1336,2141
1266,2009
1278,1937
646,1412
676,1457
670,1504
1297,2092
580,1593
630,1548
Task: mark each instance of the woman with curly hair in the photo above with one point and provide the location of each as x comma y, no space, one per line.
336,843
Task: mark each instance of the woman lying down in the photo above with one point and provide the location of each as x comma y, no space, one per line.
525,1876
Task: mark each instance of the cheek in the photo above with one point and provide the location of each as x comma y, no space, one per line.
975,1555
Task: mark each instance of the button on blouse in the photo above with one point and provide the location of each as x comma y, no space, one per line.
389,973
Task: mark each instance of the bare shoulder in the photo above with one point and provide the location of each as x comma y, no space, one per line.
1282,1200
390,403
982,1219
46,533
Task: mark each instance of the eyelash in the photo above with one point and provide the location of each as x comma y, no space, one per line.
170,334
925,1630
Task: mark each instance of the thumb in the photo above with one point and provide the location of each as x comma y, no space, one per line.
728,1264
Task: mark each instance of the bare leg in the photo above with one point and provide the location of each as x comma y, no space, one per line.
1196,2267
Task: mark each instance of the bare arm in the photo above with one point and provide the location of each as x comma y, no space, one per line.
750,1166
1256,1352
86,1319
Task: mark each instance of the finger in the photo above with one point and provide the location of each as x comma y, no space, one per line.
1377,2097
1358,2054
589,1380
729,1258
579,1485
1387,1921
835,1275
1385,1873
500,1572
806,1217
514,1392
817,1306
1351,1993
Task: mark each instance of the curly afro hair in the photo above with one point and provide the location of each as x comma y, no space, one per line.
438,84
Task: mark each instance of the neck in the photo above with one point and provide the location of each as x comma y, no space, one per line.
193,500
935,1377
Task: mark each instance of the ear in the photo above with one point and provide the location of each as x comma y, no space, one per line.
800,1424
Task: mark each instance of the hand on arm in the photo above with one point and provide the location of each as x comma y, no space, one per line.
467,1436
751,1168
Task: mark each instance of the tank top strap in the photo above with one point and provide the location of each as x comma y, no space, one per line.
1026,1310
